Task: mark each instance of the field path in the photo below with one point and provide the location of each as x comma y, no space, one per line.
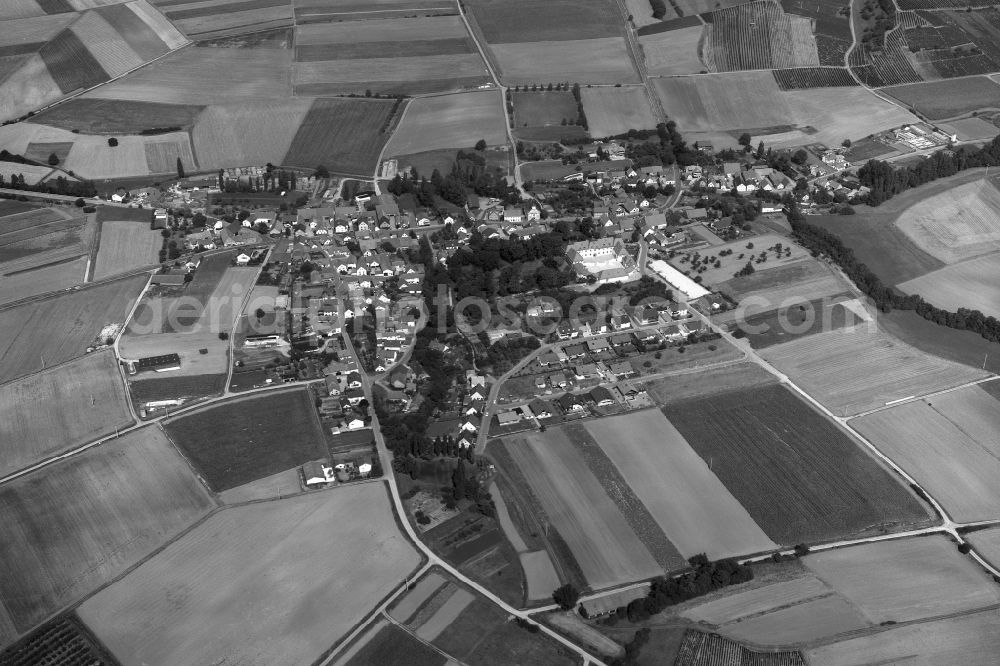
518,183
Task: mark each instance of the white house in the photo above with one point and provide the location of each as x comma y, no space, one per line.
242,259
316,473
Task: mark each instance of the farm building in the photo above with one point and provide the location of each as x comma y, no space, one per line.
609,603
682,283
162,363
316,472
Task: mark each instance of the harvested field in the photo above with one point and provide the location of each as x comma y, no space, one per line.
345,135
806,279
540,575
236,75
28,334
808,621
32,174
91,400
756,601
752,101
250,438
598,535
798,475
598,61
708,382
938,100
284,580
973,284
554,20
905,579
27,88
855,369
972,129
392,645
690,504
92,157
674,52
957,223
277,485
612,111
449,121
396,76
33,30
129,496
968,639
103,42
42,280
126,246
948,444
239,134
986,543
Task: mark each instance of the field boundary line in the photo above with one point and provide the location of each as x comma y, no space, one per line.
381,153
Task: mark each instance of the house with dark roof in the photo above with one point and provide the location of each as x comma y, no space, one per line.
602,397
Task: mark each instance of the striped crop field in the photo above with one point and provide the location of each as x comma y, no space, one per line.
760,35
345,135
395,56
216,18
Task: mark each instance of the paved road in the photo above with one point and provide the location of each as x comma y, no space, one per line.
385,459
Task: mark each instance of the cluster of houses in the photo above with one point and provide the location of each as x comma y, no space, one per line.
602,260
736,175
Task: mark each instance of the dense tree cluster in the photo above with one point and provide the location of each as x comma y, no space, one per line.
886,181
59,185
468,172
705,577
821,241
659,8
670,149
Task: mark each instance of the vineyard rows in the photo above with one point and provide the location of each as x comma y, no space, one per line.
799,78
701,649
944,4
742,37
61,642
888,67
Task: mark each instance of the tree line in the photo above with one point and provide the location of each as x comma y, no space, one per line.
468,172
821,241
886,181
